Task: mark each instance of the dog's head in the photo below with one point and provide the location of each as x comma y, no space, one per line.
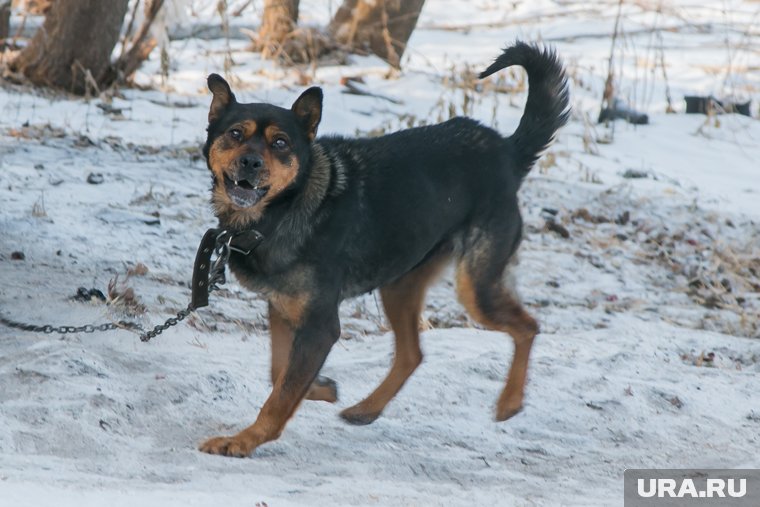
256,152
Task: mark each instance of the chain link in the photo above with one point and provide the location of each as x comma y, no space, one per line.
215,280
88,328
171,321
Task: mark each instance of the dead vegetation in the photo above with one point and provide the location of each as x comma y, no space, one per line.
712,260
121,298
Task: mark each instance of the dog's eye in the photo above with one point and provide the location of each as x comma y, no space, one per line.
235,134
280,144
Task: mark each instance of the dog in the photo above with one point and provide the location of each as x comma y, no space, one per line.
342,216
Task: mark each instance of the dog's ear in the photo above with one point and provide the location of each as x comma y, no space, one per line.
308,108
223,97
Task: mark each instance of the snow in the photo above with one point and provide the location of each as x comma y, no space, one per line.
621,375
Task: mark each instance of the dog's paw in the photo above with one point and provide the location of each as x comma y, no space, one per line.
323,389
358,416
504,413
227,446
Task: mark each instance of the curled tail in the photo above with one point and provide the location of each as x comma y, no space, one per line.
548,97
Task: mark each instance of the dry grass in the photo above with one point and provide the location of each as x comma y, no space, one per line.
713,263
122,298
38,208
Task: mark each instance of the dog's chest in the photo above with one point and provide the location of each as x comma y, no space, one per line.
257,276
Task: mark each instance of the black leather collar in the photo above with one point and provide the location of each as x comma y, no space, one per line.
221,241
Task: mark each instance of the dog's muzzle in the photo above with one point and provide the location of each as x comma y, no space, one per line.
245,187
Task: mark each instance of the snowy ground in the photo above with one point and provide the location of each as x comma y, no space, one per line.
649,353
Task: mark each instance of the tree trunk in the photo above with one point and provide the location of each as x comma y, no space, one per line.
5,20
139,48
73,48
278,22
381,26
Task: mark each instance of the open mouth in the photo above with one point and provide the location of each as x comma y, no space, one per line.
243,192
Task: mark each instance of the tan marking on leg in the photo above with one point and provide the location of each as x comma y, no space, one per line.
323,388
278,408
290,306
511,398
466,294
505,313
403,302
282,339
314,344
509,315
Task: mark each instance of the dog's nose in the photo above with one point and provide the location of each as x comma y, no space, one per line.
251,161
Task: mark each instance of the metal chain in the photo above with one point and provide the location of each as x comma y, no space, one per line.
216,278
88,328
171,321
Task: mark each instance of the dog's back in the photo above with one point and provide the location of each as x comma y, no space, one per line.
420,190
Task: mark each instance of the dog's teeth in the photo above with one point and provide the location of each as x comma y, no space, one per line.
236,182
256,187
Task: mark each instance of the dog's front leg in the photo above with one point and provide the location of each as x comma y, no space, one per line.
323,388
314,337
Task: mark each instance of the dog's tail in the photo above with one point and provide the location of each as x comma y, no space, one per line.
548,98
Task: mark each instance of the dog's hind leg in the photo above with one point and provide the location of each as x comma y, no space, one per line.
323,388
403,301
482,291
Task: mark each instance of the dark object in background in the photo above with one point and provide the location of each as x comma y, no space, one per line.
635,174
558,228
703,105
85,295
5,17
620,110
95,178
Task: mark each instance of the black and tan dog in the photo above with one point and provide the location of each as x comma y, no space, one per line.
341,217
